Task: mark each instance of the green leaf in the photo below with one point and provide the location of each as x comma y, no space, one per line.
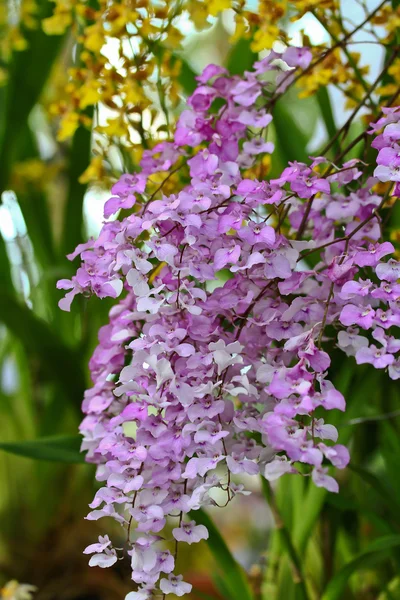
390,450
28,73
291,141
33,202
380,487
59,362
187,77
36,215
287,543
233,576
313,502
62,448
241,58
324,103
202,596
79,155
376,552
221,586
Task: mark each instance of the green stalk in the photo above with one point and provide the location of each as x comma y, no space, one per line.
286,541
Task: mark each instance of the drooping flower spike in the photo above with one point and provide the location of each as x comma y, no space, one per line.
215,361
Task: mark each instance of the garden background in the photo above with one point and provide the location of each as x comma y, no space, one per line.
85,86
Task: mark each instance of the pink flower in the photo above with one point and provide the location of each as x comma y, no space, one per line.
322,479
217,353
258,234
297,57
175,585
357,315
190,533
104,556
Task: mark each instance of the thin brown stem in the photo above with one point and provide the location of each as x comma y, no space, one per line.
345,128
162,185
133,504
350,58
347,238
325,317
322,57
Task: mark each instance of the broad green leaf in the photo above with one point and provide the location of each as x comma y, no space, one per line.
63,448
202,596
356,384
59,362
35,211
298,582
324,103
390,450
33,203
187,77
274,553
285,499
241,58
313,502
79,155
380,487
221,586
232,573
291,141
28,73
355,129
377,551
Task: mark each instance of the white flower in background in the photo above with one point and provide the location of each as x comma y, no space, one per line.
17,591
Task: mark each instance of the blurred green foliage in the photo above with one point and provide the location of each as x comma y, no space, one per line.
322,546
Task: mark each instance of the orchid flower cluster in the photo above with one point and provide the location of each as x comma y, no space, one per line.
215,360
387,143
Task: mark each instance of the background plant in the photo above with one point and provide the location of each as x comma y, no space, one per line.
42,349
